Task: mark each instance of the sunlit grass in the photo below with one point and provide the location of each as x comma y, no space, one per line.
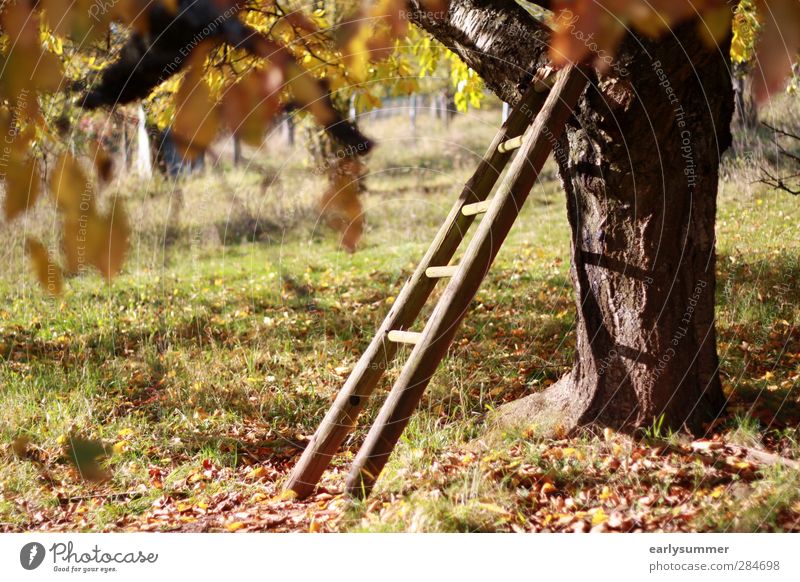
221,353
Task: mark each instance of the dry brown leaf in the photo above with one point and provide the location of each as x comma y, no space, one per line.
109,235
22,186
71,188
47,272
87,456
103,164
73,244
58,15
778,45
251,104
310,95
340,204
196,116
592,29
133,13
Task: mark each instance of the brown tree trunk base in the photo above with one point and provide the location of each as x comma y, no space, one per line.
552,413
639,166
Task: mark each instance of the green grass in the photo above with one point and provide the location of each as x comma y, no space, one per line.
214,356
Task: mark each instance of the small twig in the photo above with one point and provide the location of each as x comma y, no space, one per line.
112,496
765,458
780,182
757,456
780,131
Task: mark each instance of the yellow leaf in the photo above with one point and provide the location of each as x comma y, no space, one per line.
234,526
22,186
599,517
494,508
715,25
72,190
250,105
572,452
196,116
340,203
20,446
87,456
103,164
548,488
257,473
48,73
110,234
286,495
47,272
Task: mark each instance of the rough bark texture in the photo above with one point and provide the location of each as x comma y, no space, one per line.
639,165
496,38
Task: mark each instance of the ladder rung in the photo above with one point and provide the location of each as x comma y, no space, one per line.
475,208
404,337
342,416
544,85
540,86
440,328
510,145
439,272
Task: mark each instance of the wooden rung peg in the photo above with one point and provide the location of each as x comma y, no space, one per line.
475,208
510,145
404,337
544,85
440,272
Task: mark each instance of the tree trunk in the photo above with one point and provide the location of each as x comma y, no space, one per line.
144,164
639,165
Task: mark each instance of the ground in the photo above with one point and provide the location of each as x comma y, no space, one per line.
207,365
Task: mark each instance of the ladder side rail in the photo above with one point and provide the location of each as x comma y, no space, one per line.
441,327
343,414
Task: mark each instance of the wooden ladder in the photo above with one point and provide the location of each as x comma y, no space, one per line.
543,112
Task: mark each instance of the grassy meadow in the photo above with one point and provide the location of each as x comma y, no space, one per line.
209,362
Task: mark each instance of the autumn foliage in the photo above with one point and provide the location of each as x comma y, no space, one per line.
233,65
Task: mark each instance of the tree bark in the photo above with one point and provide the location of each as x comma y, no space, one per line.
639,166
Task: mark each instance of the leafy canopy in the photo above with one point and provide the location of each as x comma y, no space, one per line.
202,66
